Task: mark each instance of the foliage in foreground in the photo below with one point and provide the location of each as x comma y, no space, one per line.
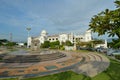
107,22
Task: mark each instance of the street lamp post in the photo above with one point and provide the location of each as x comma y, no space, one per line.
28,29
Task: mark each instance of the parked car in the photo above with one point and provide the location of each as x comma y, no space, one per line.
116,53
111,52
102,50
90,49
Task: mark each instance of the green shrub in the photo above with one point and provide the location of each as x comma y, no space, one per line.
62,47
117,57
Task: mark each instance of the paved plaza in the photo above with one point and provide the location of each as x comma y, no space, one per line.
89,64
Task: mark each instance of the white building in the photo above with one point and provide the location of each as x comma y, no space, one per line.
37,41
104,45
53,38
20,44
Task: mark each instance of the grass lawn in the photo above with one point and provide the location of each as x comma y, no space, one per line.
112,73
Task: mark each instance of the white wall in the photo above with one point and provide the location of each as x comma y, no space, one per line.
53,39
69,48
88,36
102,45
63,38
29,42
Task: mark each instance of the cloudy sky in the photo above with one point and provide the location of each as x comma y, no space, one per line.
54,16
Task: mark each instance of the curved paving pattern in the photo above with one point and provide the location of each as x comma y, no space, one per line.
31,58
93,64
89,64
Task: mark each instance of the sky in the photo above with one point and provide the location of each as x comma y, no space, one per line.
54,16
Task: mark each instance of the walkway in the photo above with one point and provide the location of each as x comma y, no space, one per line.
94,63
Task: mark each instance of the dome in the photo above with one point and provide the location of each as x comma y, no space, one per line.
43,32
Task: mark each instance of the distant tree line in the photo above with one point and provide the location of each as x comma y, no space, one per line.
55,45
5,42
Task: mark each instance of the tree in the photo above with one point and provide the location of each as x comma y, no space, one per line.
54,45
117,3
46,44
4,40
68,43
107,21
11,44
115,43
25,43
0,43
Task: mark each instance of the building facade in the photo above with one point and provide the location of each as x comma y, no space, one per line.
37,41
